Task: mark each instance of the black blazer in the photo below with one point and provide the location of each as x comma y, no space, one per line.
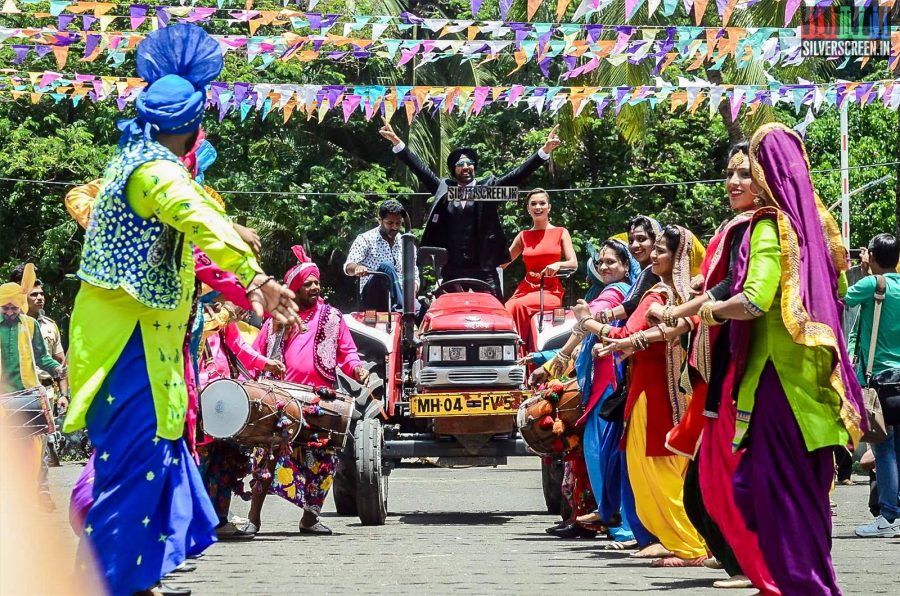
493,249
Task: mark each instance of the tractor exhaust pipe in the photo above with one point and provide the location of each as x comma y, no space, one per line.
408,250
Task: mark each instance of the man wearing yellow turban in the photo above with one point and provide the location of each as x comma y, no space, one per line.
22,349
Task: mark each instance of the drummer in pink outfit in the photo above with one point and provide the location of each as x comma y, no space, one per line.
312,352
546,249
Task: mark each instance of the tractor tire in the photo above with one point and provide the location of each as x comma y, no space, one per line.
371,481
551,480
344,487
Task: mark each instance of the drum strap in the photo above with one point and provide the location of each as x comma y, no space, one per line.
234,363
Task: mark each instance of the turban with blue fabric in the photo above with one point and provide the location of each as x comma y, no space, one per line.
178,62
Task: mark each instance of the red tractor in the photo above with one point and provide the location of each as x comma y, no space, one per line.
451,387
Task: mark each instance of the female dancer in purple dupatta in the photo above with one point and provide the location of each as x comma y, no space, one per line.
791,369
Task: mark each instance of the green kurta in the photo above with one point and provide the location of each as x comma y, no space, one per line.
103,320
804,372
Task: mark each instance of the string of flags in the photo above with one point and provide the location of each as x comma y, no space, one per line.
689,47
586,8
317,101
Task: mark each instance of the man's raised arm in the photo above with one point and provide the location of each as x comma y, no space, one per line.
426,177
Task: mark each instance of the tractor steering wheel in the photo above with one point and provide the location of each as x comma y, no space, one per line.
463,284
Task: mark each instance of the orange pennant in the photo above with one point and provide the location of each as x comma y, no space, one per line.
561,7
532,7
62,54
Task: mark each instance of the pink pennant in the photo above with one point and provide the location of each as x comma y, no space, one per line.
350,103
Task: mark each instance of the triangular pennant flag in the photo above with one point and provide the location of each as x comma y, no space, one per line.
62,54
533,5
9,7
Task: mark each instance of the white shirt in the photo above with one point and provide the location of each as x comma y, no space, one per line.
370,249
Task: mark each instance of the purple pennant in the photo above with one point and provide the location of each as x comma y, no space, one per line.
21,53
411,19
64,20
87,20
362,54
121,102
335,55
315,20
91,43
240,92
330,20
138,13
162,16
42,51
504,8
594,32
545,66
317,44
601,105
476,6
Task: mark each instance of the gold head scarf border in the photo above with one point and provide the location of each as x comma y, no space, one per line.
803,330
17,294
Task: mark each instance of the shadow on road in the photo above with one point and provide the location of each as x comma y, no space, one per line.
466,518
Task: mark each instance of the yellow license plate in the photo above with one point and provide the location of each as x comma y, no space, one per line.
465,404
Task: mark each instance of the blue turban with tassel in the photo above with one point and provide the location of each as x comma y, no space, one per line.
178,62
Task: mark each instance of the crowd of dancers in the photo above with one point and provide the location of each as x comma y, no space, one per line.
716,381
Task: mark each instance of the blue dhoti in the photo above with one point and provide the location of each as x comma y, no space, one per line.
150,508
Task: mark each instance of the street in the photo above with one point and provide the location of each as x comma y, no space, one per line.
474,531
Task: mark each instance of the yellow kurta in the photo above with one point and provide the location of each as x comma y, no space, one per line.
103,320
658,485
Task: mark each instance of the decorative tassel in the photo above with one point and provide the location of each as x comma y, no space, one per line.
559,427
546,423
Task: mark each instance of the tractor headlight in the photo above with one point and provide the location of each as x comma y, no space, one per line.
453,353
434,353
509,352
490,352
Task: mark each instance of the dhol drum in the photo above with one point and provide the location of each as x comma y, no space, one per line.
26,413
247,413
546,425
252,413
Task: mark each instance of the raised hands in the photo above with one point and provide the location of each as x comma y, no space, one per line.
388,132
552,140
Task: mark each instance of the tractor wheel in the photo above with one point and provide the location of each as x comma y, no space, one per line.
371,481
551,479
344,487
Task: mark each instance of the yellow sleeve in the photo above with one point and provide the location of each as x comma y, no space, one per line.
164,189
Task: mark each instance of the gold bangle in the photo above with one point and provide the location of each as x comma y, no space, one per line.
706,314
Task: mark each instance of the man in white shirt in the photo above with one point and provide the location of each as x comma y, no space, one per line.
379,250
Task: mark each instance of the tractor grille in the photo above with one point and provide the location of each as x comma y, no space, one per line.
504,376
473,375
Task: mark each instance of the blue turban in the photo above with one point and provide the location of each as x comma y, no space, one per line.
178,62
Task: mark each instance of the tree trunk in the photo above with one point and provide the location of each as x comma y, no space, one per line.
735,131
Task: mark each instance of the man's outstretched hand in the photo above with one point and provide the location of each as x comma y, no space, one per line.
552,140
267,295
388,132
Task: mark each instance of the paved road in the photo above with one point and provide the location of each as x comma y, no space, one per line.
473,531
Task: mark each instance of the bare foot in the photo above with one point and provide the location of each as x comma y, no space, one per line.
674,561
653,551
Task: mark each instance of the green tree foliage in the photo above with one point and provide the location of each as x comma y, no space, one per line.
612,167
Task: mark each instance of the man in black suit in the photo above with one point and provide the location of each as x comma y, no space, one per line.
469,230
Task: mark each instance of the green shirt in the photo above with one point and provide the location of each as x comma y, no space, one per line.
803,372
103,320
10,365
887,345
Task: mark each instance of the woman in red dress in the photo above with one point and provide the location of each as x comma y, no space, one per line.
545,248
